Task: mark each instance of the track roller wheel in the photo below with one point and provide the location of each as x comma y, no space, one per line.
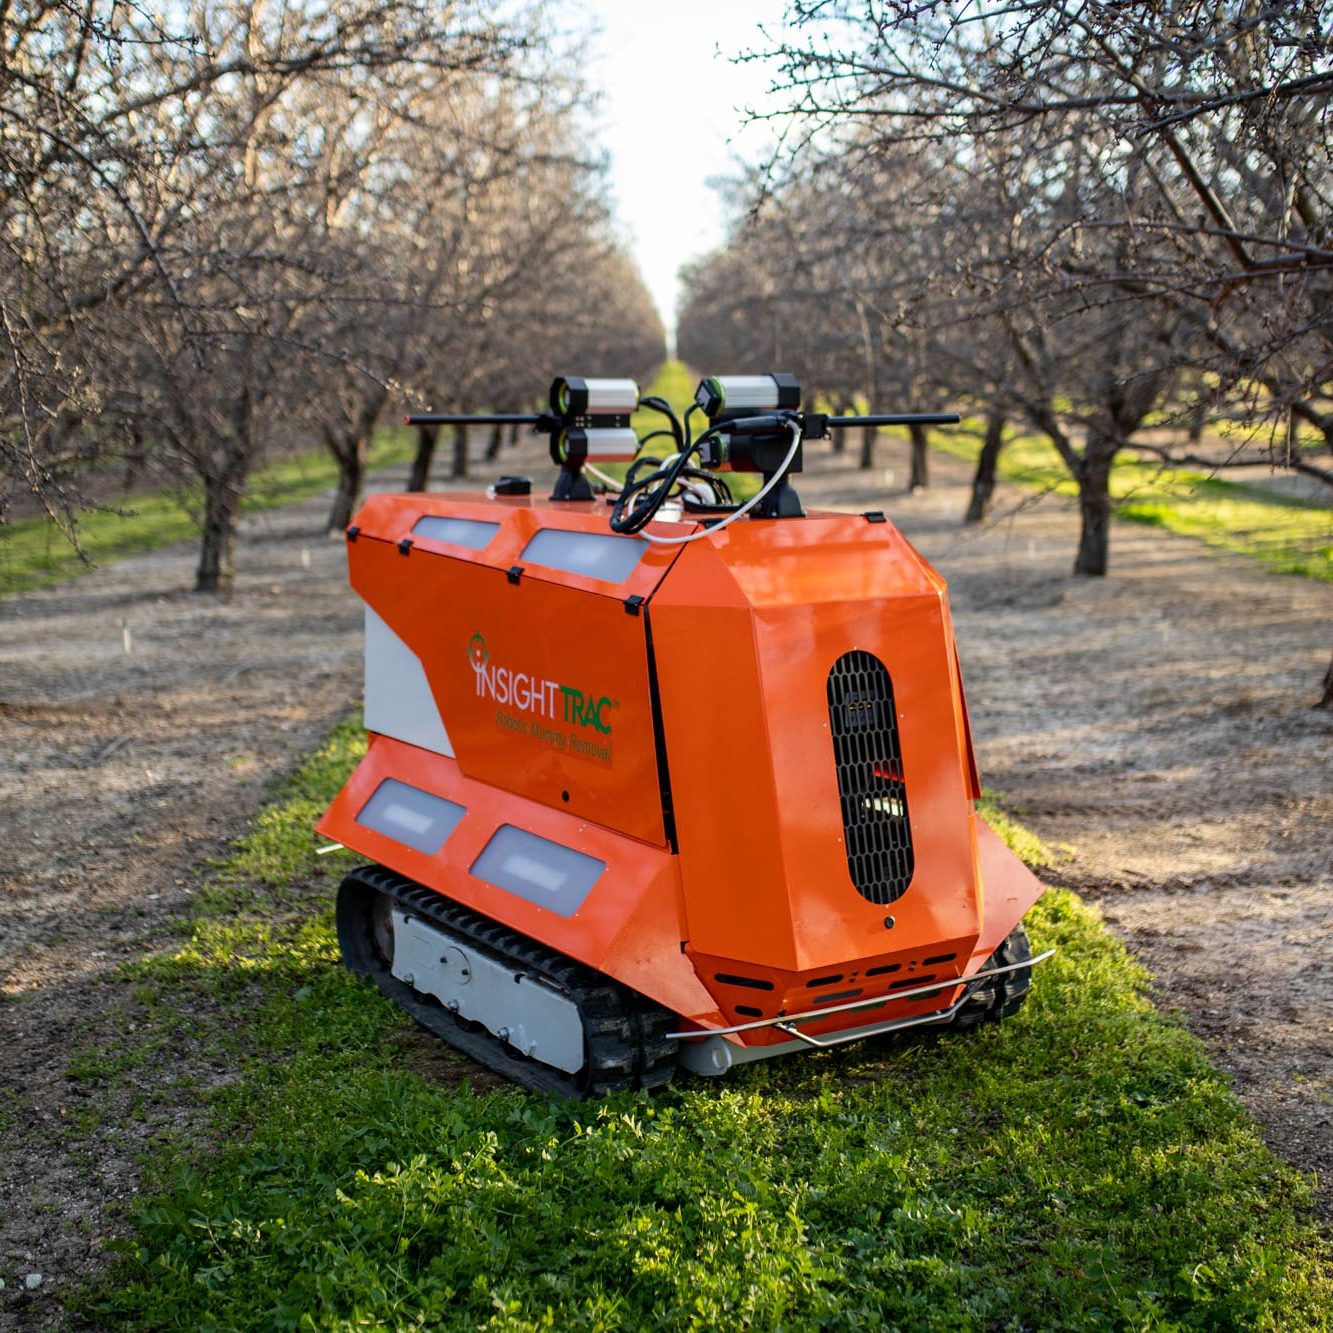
364,921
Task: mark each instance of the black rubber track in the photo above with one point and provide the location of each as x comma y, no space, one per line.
624,1033
1003,995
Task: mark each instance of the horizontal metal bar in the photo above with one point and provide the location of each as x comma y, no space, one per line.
473,419
899,419
811,1015
878,1029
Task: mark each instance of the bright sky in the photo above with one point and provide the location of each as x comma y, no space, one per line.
672,112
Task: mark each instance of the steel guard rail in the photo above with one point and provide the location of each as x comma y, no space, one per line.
787,1022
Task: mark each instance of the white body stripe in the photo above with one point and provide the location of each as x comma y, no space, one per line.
399,702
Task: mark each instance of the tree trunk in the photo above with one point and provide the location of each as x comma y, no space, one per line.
223,468
458,468
1197,420
419,478
493,446
867,459
351,456
839,436
1094,502
920,476
217,550
983,483
135,457
1326,699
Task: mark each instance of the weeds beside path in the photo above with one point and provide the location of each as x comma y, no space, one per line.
1157,726
140,726
34,553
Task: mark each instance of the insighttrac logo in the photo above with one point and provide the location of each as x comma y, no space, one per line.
534,694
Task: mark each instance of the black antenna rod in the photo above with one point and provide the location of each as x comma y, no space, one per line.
476,419
899,419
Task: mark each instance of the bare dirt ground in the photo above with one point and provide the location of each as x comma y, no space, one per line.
1155,726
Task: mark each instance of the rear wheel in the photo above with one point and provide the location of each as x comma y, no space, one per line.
1000,996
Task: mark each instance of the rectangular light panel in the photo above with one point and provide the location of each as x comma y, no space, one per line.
470,532
588,553
411,816
543,872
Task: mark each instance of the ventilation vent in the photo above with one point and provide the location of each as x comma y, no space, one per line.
864,724
731,979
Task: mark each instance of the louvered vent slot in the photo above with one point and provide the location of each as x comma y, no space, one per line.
875,824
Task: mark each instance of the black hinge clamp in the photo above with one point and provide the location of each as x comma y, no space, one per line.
874,516
353,533
632,604
405,546
514,573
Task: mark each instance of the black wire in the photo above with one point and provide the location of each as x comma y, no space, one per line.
661,405
653,434
637,465
689,412
648,496
721,491
640,499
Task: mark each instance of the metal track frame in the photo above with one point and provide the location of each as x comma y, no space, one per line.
624,1033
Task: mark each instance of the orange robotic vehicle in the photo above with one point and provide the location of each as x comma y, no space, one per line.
659,779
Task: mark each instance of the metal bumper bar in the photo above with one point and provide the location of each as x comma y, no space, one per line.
787,1022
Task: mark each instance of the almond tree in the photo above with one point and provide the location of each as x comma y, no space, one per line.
1225,109
154,204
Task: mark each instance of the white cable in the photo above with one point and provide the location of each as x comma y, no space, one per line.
745,508
602,477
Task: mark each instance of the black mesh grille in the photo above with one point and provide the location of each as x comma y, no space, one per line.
875,824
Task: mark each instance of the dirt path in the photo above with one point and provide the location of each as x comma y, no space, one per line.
1155,723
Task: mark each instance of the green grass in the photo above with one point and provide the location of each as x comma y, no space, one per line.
675,382
1290,536
35,553
1080,1166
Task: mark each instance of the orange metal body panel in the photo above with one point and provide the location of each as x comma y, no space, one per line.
390,518
632,914
1011,889
761,842
752,911
546,636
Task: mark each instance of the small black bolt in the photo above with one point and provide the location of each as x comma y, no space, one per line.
564,796
888,923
